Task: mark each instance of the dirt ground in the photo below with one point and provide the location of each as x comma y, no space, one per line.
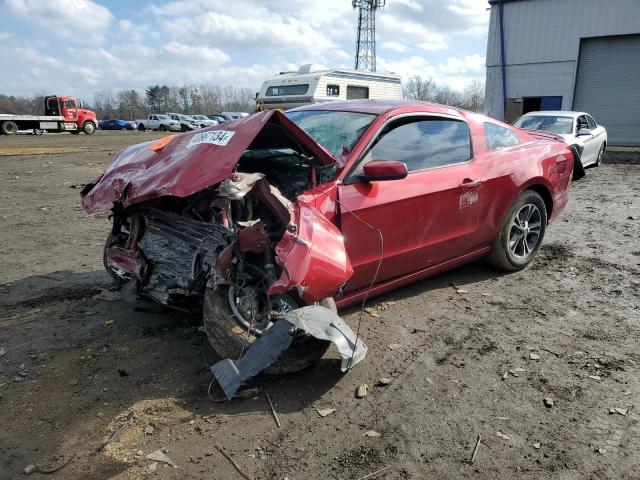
78,363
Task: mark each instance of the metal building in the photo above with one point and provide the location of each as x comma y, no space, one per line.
566,55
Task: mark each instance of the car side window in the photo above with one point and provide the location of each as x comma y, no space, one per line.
498,137
592,123
422,144
582,123
153,117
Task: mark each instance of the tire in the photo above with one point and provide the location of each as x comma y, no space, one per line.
509,252
183,128
141,128
88,128
600,154
9,128
162,128
230,340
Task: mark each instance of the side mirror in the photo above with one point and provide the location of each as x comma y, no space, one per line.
384,170
583,132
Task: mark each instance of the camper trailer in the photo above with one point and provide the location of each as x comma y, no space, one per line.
315,84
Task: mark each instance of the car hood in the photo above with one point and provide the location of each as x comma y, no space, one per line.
181,165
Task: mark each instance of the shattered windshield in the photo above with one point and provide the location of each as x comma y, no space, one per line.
332,130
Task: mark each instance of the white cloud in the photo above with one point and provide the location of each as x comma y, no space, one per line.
4,35
80,19
395,46
194,54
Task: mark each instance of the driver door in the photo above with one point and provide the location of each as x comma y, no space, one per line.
425,219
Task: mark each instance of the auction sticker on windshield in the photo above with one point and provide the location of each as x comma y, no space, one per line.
216,137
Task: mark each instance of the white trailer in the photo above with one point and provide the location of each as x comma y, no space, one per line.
313,84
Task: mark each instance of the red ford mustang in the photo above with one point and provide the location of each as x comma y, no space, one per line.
256,218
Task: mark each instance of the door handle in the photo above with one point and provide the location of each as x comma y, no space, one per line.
467,182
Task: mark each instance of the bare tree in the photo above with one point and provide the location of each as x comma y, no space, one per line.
417,88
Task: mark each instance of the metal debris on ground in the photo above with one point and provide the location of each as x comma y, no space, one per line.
34,467
316,320
160,456
372,474
323,412
273,411
362,391
235,465
475,449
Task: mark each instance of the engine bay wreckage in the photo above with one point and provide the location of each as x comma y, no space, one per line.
236,222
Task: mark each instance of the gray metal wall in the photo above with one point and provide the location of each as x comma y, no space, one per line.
542,44
608,85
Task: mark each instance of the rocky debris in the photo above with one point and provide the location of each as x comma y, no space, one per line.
372,311
371,434
362,391
503,436
548,402
537,445
384,381
323,412
394,346
160,456
149,430
534,356
619,411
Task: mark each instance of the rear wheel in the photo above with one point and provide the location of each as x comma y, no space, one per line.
225,313
142,128
9,128
162,128
521,234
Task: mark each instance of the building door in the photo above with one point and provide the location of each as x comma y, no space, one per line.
607,83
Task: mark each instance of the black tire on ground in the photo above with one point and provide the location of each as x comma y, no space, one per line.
509,252
142,128
8,128
162,128
74,132
88,128
183,128
229,340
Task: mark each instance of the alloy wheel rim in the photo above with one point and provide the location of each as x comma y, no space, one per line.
524,233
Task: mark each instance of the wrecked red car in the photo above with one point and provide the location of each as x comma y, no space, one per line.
262,216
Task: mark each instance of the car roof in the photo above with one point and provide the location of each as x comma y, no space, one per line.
378,107
556,113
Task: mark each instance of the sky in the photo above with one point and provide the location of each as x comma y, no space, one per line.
79,47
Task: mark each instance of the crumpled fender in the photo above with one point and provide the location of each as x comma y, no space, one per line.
312,256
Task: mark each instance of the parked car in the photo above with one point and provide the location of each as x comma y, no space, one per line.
578,129
205,121
219,118
118,124
187,123
157,121
235,115
327,203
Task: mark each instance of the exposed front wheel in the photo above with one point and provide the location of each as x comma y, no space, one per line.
522,232
88,128
162,128
231,326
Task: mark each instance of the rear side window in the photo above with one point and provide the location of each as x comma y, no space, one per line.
499,137
592,123
424,144
288,90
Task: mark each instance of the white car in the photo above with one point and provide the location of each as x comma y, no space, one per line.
204,121
578,129
186,122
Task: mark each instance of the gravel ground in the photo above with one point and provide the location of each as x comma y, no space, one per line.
478,360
